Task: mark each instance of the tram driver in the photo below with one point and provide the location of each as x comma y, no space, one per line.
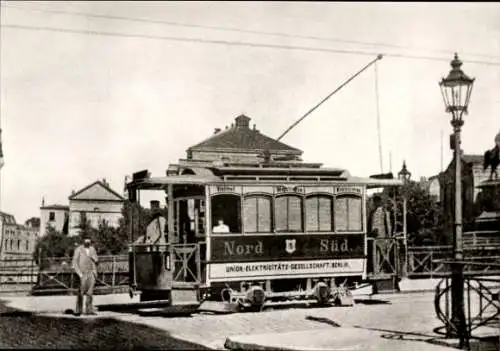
220,227
155,231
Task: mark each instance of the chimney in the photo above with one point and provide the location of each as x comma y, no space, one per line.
242,121
104,181
217,130
43,201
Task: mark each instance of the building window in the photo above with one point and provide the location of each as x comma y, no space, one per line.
27,245
18,244
83,220
11,243
52,216
227,208
348,214
319,213
288,213
257,214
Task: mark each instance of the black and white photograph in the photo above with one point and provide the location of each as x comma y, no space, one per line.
250,175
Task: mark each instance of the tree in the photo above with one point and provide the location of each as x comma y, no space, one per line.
53,244
107,240
140,216
424,219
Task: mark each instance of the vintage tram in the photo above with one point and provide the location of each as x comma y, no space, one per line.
248,234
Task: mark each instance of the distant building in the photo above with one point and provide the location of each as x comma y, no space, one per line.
96,203
434,188
33,222
472,175
16,241
239,144
55,216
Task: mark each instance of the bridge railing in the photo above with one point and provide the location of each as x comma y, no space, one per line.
55,275
481,302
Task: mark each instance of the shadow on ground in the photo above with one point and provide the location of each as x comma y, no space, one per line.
19,329
372,301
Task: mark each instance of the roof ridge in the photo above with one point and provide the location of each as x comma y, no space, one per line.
72,196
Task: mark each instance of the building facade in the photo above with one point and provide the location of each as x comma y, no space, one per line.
55,216
94,204
17,241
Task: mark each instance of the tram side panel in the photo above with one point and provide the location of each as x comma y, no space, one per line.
284,263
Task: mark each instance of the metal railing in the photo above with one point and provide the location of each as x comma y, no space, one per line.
55,275
184,261
384,257
481,303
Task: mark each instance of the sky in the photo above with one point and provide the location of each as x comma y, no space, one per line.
78,104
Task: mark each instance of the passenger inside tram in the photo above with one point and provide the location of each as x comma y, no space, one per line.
220,227
226,215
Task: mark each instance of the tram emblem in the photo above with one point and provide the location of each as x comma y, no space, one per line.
290,245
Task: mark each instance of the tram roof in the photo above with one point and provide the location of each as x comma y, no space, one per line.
160,182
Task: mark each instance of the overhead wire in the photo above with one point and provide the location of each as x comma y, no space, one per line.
233,43
237,30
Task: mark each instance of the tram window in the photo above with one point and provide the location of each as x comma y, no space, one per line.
227,208
319,213
257,214
348,216
288,213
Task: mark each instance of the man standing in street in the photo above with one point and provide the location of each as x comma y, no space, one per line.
85,262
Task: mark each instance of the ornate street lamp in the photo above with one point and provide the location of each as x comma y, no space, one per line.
456,90
405,176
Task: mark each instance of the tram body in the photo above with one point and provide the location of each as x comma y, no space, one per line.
292,233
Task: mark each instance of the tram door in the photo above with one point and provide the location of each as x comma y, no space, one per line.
189,238
189,220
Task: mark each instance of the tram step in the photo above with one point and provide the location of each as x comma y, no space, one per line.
386,285
184,295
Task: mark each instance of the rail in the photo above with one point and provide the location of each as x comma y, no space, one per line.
54,275
481,302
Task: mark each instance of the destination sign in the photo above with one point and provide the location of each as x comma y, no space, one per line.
239,248
246,270
289,189
348,190
225,188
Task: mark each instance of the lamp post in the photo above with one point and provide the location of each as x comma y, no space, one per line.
405,176
456,90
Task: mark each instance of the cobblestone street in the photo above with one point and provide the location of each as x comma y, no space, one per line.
403,319
410,313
